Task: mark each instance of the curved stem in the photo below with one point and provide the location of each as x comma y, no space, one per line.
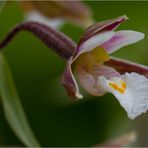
54,39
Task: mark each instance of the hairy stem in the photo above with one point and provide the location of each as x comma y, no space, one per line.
54,39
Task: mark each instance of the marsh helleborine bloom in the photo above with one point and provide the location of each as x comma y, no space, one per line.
55,13
99,73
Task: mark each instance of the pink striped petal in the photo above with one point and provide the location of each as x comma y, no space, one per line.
104,26
123,66
95,41
121,39
89,79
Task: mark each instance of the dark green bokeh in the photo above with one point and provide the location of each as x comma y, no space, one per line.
55,118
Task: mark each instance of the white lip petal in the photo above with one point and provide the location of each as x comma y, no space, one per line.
122,38
135,97
95,41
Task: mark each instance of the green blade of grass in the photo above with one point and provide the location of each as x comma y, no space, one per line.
13,109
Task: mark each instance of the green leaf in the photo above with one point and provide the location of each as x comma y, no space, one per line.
12,107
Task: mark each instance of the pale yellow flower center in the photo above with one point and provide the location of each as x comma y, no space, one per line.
96,56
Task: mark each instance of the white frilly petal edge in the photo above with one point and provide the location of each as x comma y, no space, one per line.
122,38
135,98
34,15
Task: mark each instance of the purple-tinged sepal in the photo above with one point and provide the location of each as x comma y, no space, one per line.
123,66
104,26
69,82
122,38
103,35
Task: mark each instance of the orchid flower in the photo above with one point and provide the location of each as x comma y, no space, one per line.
55,13
100,73
96,70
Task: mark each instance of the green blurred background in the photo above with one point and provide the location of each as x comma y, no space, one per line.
56,119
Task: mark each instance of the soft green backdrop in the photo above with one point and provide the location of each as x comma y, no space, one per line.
56,119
